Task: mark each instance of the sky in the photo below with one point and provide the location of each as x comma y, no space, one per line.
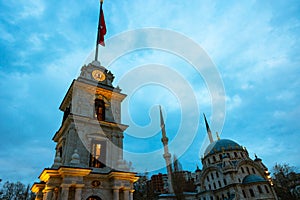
252,47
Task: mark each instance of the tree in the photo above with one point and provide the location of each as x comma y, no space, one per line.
15,191
285,181
140,187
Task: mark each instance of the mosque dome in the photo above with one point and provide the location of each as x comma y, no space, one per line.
222,145
253,178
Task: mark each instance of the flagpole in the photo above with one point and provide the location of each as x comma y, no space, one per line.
98,32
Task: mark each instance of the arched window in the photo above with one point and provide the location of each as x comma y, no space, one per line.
251,193
259,189
93,198
212,176
219,182
225,182
214,158
267,189
248,170
242,154
235,154
242,170
100,109
97,158
209,186
244,194
207,178
215,186
253,171
217,174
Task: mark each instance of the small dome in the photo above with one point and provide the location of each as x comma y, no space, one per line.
253,178
75,155
220,145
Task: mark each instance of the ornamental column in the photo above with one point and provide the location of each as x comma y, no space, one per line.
47,193
39,195
126,194
64,191
78,191
116,194
131,194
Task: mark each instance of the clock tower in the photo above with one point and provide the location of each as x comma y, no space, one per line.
88,162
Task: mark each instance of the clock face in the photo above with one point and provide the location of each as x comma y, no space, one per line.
98,75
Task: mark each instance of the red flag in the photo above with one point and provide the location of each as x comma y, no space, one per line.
101,28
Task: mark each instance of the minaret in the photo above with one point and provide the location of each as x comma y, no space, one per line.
166,155
208,130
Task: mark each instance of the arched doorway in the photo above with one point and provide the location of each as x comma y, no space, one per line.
93,198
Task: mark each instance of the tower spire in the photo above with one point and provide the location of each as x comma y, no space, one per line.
166,155
211,140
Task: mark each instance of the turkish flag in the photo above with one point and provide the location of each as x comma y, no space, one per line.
101,28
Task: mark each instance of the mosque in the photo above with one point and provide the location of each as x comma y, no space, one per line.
227,172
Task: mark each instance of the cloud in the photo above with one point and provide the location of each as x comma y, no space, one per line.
254,45
233,102
31,8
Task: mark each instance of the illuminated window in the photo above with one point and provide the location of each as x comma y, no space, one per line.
100,109
97,154
93,198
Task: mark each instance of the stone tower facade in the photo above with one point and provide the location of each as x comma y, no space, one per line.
88,162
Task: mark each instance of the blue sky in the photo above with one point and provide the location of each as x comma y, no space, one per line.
254,45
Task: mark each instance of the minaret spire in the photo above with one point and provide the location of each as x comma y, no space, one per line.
166,155
211,140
